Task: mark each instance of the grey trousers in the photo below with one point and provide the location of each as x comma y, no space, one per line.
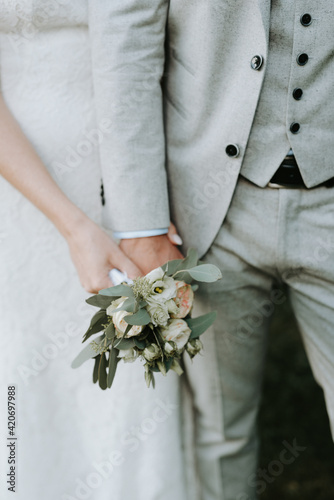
269,236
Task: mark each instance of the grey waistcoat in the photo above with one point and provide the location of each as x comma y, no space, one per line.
271,138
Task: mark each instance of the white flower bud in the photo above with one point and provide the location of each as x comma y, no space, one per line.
128,355
152,352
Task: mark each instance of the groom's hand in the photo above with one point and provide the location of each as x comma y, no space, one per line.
150,252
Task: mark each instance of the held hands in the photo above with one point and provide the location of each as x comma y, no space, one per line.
153,251
94,254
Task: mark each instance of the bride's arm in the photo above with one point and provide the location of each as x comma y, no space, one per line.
93,252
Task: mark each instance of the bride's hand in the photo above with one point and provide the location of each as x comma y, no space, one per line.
94,254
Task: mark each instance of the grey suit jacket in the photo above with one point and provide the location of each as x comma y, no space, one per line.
176,79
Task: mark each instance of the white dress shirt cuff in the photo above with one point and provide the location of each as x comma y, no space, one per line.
123,235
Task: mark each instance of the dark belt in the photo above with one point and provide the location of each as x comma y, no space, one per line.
288,174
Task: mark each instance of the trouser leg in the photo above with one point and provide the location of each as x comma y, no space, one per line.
226,380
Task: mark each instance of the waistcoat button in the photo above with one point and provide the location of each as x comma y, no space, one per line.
297,94
294,127
302,59
306,19
257,62
232,150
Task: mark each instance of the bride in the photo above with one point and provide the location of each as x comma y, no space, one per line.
74,441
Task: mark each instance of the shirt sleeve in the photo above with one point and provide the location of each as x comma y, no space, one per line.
123,235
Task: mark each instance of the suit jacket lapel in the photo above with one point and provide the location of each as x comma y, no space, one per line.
264,6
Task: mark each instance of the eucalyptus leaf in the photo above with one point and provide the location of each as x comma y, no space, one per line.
171,266
139,318
110,331
113,360
96,369
124,344
99,301
97,316
191,260
86,354
200,324
129,305
103,371
194,288
128,328
97,324
141,344
174,266
207,273
117,291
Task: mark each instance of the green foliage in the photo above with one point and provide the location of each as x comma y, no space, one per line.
139,318
96,369
141,344
171,266
97,324
110,331
207,273
129,305
200,324
99,301
113,360
103,371
124,344
135,302
117,291
87,353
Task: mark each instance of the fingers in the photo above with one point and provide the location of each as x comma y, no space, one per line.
173,235
98,284
120,261
130,268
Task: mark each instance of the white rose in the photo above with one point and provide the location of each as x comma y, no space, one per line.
121,325
163,287
177,331
128,355
114,305
158,312
152,352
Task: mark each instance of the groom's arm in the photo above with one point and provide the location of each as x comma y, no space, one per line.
127,38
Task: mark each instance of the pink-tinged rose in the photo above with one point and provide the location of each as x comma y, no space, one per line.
184,299
176,331
119,321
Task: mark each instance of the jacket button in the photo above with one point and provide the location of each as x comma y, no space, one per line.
302,59
297,94
294,127
306,19
232,150
257,62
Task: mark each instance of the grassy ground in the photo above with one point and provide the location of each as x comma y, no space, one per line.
293,408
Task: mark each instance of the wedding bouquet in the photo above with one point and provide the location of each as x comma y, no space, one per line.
149,319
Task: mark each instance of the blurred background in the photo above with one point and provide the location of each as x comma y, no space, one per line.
293,410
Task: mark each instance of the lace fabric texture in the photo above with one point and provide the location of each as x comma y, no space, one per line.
74,440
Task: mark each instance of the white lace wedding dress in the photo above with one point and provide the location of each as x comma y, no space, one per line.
74,441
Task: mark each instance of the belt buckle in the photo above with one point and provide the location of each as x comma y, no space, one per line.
272,185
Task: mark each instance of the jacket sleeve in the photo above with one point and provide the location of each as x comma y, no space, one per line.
127,40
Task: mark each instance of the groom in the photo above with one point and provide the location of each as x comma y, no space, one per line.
235,100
